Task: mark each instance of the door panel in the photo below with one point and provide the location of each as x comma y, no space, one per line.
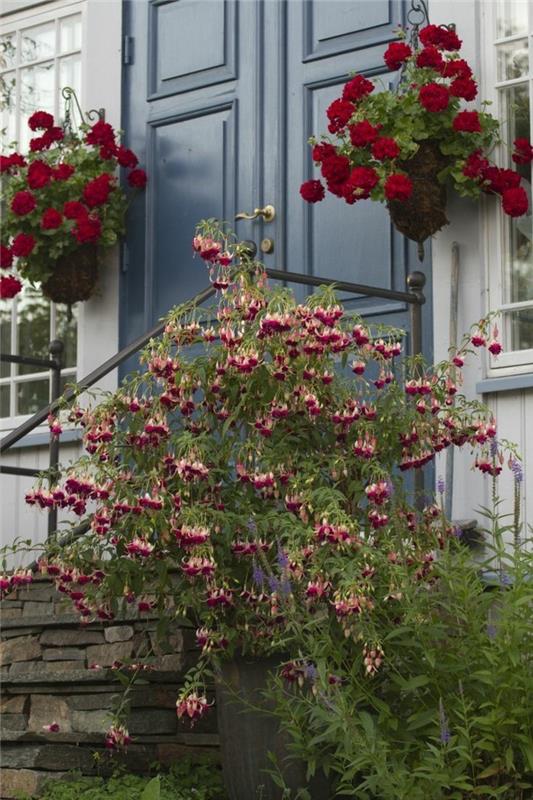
219,102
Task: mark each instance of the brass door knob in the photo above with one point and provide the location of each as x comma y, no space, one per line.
267,212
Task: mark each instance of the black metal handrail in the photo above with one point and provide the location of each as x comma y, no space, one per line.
414,297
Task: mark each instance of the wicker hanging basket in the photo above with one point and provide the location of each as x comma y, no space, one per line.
424,213
74,277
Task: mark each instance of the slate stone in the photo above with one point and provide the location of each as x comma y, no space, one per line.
37,609
24,648
36,593
45,709
106,654
47,756
91,702
171,753
41,670
16,782
152,721
64,654
169,663
11,613
14,705
66,638
8,633
118,633
13,722
91,721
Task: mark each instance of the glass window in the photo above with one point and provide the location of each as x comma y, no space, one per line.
35,62
514,86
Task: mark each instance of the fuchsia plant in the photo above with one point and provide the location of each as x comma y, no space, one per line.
264,479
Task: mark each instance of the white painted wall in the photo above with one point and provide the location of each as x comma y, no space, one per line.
513,410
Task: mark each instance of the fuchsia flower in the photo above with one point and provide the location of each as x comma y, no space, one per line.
139,547
193,706
53,727
117,738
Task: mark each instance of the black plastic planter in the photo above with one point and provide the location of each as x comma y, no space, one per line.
247,736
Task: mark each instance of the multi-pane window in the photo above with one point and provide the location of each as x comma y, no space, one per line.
514,84
37,59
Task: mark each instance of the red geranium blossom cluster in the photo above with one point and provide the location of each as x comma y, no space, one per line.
376,133
257,480
64,194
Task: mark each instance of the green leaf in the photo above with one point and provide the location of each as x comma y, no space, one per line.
152,790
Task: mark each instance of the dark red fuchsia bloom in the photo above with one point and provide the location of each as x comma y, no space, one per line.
312,191
397,54
434,97
467,122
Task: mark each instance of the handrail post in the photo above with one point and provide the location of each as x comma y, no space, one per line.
55,349
416,281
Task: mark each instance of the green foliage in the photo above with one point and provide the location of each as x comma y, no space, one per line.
187,780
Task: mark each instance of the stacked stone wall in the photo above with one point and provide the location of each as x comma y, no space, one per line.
48,674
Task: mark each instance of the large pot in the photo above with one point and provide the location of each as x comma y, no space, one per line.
247,736
74,277
424,213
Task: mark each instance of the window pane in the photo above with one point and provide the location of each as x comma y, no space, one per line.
67,331
32,396
8,96
70,75
70,33
8,50
513,60
36,92
33,328
5,336
520,329
37,43
4,402
512,17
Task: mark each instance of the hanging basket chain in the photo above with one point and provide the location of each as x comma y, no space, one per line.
417,16
72,107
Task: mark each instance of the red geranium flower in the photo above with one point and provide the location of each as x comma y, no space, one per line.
23,245
515,202
137,178
434,97
51,219
430,57
322,151
96,192
40,121
72,209
467,121
440,37
396,54
385,148
363,133
108,151
475,164
63,172
464,87
39,143
312,191
23,203
336,169
39,174
6,257
360,183
523,151
398,187
126,157
339,113
9,287
87,230
55,134
8,162
101,133
498,179
458,68
357,88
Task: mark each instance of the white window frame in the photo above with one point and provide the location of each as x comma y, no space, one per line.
509,362
101,51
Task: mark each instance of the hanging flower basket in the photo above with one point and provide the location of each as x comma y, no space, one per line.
74,277
63,202
404,147
424,212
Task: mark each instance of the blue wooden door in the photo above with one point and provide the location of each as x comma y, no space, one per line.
220,97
